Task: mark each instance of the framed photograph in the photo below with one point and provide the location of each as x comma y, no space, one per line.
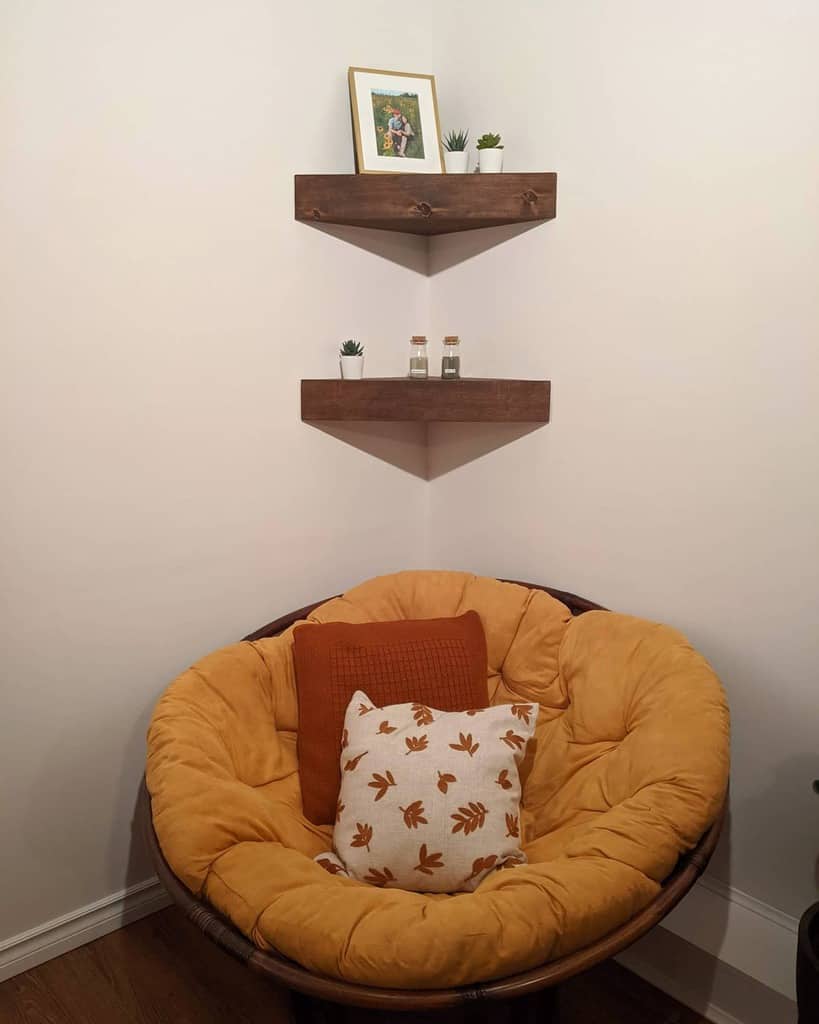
395,122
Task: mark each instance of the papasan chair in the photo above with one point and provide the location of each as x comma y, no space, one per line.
622,804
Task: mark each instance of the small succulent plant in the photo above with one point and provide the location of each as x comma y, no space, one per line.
352,348
455,142
489,141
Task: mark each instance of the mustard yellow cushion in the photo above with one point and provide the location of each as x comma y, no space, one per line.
627,769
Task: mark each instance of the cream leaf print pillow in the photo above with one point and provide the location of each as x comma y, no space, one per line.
430,800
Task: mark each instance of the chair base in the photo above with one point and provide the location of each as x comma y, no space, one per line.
538,1008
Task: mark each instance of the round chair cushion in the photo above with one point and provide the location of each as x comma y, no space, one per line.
628,768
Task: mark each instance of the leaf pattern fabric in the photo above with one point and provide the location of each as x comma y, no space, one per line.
381,783
469,819
481,865
523,712
362,837
415,743
444,780
414,814
352,764
435,807
514,741
465,743
330,865
428,862
379,878
422,714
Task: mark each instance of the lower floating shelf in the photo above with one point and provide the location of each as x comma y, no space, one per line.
399,399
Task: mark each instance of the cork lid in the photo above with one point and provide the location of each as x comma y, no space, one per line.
419,339
451,339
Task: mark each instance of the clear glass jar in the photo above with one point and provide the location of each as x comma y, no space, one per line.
451,359
419,361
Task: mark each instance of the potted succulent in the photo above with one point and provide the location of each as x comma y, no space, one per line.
351,358
456,158
490,154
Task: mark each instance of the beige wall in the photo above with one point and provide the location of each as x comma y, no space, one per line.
158,307
674,305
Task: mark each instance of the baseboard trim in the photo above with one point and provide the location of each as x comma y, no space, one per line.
27,950
710,987
739,930
648,971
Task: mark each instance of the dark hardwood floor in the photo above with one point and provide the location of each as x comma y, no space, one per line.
161,970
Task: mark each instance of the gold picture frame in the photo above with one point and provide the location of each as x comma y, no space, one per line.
396,127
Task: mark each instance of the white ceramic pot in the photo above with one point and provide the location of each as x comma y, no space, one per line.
456,162
490,161
352,367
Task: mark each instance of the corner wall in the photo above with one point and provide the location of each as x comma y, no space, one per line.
159,307
673,303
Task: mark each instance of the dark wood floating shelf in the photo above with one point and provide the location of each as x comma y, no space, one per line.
426,204
468,400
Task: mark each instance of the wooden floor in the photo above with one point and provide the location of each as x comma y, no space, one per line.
161,970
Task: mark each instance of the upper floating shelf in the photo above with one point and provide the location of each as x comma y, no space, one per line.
426,204
467,400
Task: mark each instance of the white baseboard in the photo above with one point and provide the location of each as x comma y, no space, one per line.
741,931
725,954
756,941
710,987
21,952
649,971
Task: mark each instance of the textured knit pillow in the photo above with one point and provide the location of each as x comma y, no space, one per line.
430,800
441,662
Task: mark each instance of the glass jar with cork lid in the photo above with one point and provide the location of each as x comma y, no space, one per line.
451,359
419,361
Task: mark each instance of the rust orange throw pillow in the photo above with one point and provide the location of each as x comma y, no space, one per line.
437,662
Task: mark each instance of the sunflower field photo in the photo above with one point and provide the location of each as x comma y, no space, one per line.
397,120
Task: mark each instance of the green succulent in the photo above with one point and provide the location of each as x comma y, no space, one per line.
455,142
489,141
352,348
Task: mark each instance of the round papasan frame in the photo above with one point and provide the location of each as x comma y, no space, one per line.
293,976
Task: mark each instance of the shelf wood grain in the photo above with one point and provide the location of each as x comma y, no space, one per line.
398,399
426,204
